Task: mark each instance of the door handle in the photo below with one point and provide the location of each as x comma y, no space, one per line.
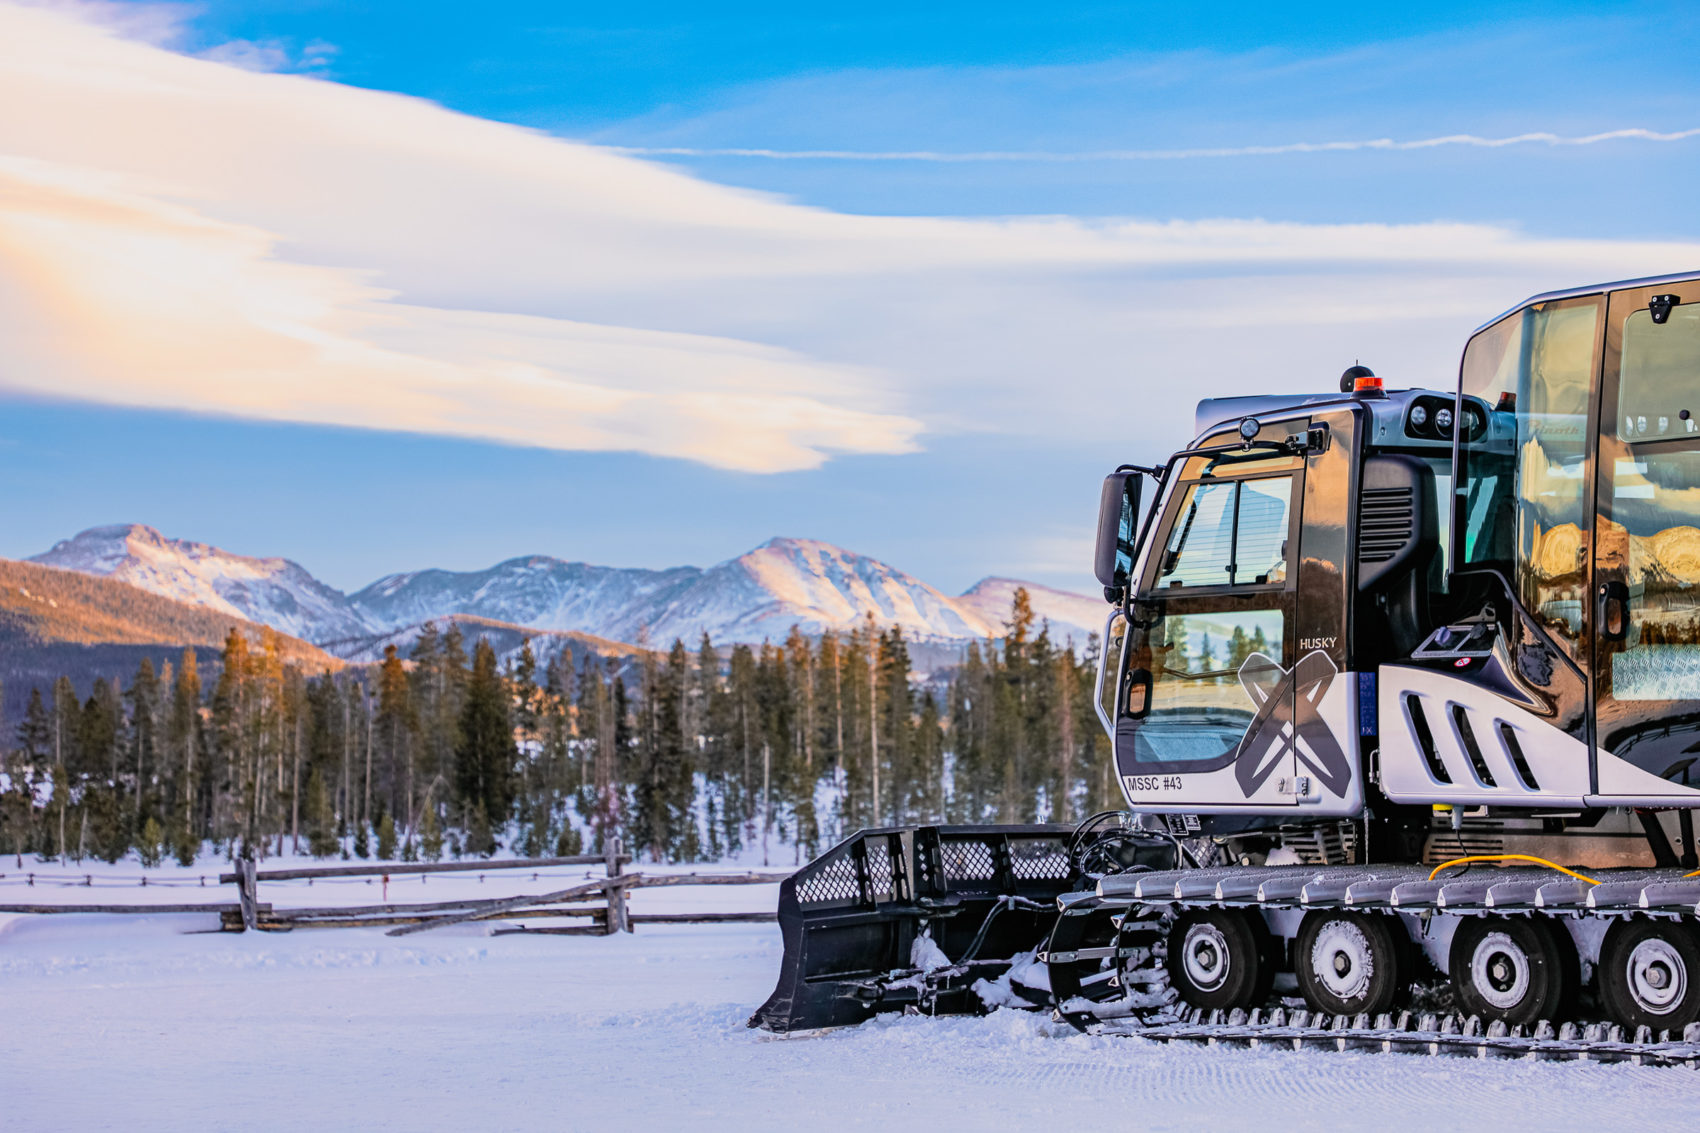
1136,701
1614,611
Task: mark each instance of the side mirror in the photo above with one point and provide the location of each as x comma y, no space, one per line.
1118,515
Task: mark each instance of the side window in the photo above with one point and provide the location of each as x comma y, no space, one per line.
1230,533
1658,394
1523,480
1653,527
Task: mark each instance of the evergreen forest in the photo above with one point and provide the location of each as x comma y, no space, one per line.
695,753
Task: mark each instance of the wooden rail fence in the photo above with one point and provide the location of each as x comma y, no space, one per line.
599,901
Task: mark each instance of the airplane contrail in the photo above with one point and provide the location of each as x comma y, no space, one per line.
1470,140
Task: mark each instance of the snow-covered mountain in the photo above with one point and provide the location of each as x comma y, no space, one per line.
759,595
1070,614
538,591
812,585
274,592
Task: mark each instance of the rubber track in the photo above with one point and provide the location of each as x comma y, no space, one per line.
1150,901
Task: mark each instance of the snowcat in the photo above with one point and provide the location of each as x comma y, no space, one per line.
1403,693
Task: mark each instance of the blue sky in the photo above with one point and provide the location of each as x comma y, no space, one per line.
956,412
955,78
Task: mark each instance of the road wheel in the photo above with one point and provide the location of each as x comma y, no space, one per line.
1219,958
1349,963
1515,969
1649,974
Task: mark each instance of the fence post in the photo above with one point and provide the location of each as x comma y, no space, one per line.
617,919
247,886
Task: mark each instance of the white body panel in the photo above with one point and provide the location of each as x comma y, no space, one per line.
1556,768
1556,763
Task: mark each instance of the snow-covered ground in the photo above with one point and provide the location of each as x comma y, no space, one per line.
149,1023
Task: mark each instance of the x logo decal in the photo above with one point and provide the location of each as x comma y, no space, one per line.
1288,720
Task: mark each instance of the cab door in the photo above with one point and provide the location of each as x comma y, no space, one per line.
1646,584
1205,720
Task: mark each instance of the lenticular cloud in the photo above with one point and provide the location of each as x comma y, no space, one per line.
123,287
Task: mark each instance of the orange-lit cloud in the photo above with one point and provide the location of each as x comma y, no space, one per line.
117,296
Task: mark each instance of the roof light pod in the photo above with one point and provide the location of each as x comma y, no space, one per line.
1360,381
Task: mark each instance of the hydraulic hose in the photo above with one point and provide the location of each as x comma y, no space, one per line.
1512,858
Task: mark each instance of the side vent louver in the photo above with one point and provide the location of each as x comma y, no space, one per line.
1396,520
1467,737
1425,739
1508,737
1387,522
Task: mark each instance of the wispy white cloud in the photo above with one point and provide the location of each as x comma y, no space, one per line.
161,23
272,55
179,233
120,297
1050,156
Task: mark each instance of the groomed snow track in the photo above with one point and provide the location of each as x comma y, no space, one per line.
1425,1033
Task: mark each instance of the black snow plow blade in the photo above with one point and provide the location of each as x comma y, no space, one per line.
976,898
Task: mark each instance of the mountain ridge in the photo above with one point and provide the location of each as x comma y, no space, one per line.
759,595
272,591
57,623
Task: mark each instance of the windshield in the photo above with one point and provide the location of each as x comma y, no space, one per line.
1228,533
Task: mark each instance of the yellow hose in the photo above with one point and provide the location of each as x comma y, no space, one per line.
1515,858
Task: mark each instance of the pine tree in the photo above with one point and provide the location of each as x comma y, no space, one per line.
897,709
321,823
150,845
182,741
527,697
598,797
431,834
17,809
1239,648
233,738
829,718
1179,659
386,838
485,760
66,713
559,774
35,732
185,846
479,838
144,737
662,773
741,798
395,729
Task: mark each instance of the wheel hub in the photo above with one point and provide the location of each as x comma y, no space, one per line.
1658,979
1204,955
1499,969
1342,960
